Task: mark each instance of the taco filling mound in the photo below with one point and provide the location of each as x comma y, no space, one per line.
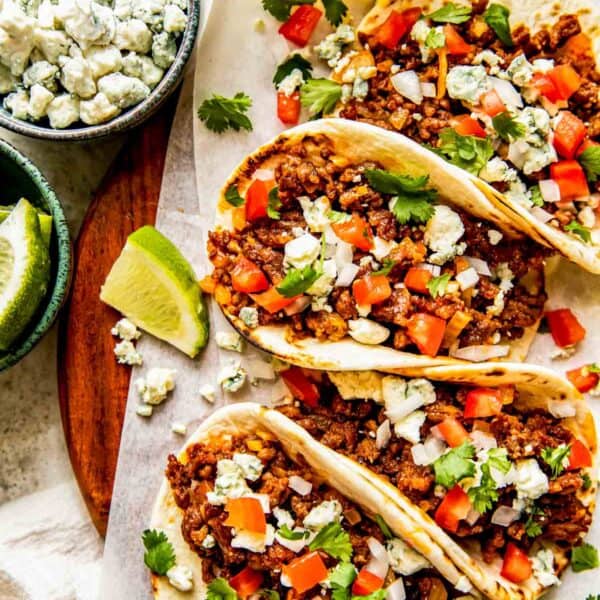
330,246
506,480
518,108
265,526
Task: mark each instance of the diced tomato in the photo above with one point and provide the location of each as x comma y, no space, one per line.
257,199
246,582
454,42
299,27
301,386
571,179
516,566
452,430
416,280
247,276
366,583
288,108
272,301
568,134
306,571
246,514
587,143
396,26
580,457
356,231
566,80
427,332
454,507
483,402
545,86
583,379
492,103
467,125
564,326
371,289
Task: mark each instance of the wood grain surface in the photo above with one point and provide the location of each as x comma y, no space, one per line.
92,386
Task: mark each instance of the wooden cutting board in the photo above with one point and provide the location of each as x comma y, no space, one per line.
92,386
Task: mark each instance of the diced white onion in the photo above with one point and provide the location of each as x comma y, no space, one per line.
467,278
435,432
378,550
479,265
343,255
428,452
482,440
408,85
377,567
260,369
263,499
505,515
428,90
293,545
264,174
472,517
297,306
299,485
541,215
346,275
330,237
507,92
549,190
398,410
384,435
480,353
561,409
516,153
396,590
435,270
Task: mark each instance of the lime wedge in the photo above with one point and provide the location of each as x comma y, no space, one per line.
24,271
153,285
45,221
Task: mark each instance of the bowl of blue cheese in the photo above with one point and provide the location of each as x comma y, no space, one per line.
83,69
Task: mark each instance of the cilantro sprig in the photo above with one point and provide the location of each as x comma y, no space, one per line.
486,493
451,13
285,532
507,126
388,265
465,151
294,61
532,527
160,555
385,528
590,161
335,11
455,465
584,557
320,96
274,204
496,16
232,195
536,196
579,230
220,113
219,589
333,540
437,285
297,281
340,579
556,457
435,39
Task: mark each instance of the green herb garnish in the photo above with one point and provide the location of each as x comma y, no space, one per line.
435,39
455,465
219,113
584,557
388,265
590,161
274,204
320,96
219,589
465,151
555,457
451,13
385,528
437,285
294,61
507,126
335,11
160,555
297,281
496,16
536,196
340,579
285,532
578,229
333,540
232,195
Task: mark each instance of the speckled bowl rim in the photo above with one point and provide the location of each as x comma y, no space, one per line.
131,117
62,261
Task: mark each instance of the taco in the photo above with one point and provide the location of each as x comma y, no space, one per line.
342,246
254,507
503,475
508,91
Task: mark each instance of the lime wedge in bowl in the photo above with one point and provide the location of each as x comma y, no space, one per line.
45,222
153,285
24,271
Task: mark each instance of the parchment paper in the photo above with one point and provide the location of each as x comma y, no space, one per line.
232,56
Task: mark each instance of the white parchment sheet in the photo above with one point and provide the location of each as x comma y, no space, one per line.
231,57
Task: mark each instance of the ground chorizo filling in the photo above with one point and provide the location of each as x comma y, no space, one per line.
528,112
354,250
307,526
477,465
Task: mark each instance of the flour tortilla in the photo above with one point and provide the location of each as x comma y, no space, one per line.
535,15
358,142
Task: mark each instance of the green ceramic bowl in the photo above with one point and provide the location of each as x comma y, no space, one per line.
20,178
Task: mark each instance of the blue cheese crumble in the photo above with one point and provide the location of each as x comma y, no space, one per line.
127,354
156,385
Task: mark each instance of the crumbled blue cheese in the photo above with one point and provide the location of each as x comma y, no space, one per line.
16,37
402,398
467,83
329,511
520,70
366,331
18,104
288,85
283,517
255,542
156,385
76,77
126,330
103,60
149,11
232,377
207,391
63,111
315,213
487,57
97,110
419,34
352,385
179,428
360,88
543,568
41,72
302,251
542,65
442,233
497,170
506,276
403,559
181,578
229,483
324,284
530,481
142,67
144,410
229,340
409,428
209,542
8,82
250,465
330,48
88,23
39,99
52,44
164,50
494,236
134,35
127,354
249,315
175,20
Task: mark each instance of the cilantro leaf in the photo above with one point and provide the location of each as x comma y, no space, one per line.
341,578
455,465
435,39
536,196
587,482
593,368
465,151
385,529
335,11
578,229
555,457
388,182
532,527
219,113
590,161
297,281
159,556
485,494
584,557
337,216
219,589
496,16
507,126
282,9
294,61
498,459
232,195
333,540
286,533
388,265
320,95
451,13
377,595
274,204
596,597
437,285
406,209
269,594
